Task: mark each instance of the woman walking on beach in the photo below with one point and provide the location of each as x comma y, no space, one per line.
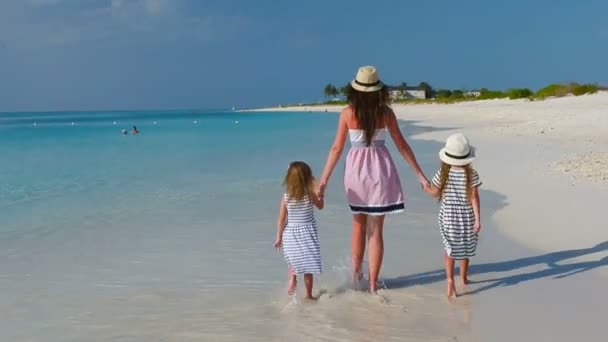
371,180
455,184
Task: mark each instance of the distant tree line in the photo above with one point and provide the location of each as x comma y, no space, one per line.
449,95
331,91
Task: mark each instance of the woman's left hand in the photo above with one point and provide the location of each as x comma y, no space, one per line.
424,182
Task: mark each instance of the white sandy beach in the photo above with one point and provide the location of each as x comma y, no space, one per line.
549,159
166,246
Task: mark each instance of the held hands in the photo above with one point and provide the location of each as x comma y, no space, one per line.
321,190
426,186
428,190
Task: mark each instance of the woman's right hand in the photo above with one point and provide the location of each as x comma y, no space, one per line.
321,192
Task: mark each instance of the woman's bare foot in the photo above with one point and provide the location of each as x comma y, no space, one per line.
310,297
451,289
358,281
291,289
373,288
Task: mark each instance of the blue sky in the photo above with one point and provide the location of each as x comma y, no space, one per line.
157,54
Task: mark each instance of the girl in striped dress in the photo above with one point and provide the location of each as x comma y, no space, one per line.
455,184
297,228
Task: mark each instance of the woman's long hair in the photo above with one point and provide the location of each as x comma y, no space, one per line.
443,179
370,108
299,181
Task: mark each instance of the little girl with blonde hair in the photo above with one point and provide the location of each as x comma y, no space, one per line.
297,228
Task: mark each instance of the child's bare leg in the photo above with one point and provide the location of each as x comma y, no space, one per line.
464,272
293,282
449,273
308,280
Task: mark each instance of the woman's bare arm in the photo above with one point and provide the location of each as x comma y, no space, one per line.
404,148
335,152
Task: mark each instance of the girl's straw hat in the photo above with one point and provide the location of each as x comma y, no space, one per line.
457,151
367,80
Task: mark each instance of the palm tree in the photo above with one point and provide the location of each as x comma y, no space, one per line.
428,90
344,90
329,90
403,90
334,91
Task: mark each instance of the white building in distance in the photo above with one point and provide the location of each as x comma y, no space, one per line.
472,93
402,93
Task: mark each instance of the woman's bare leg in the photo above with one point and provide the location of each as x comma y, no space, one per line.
357,246
376,250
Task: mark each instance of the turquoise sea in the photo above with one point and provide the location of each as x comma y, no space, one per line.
167,235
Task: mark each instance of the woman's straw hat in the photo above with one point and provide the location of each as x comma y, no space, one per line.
457,151
367,80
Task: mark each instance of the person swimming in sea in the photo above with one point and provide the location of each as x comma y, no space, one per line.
134,131
124,132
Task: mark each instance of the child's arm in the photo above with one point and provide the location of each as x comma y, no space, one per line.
476,209
432,190
318,201
280,224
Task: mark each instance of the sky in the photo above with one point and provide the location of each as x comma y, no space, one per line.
185,54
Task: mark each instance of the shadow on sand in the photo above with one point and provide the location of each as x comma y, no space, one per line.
551,265
551,261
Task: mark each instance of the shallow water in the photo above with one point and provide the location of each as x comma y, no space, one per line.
167,235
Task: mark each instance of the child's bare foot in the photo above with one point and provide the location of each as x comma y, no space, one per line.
451,289
291,289
464,282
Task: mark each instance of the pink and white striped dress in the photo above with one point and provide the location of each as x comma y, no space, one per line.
371,180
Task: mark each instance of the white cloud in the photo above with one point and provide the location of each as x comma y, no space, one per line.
39,3
72,22
155,7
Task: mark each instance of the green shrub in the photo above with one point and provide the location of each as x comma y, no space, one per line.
559,90
583,89
444,93
555,90
458,94
486,94
519,93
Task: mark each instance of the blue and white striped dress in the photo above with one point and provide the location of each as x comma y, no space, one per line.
456,216
300,237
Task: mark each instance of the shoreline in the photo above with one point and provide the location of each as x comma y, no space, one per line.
546,156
